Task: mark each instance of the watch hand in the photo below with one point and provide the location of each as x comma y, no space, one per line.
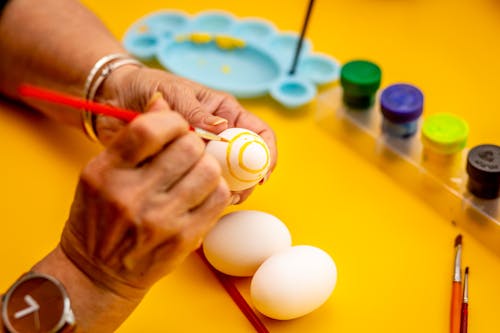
33,306
37,321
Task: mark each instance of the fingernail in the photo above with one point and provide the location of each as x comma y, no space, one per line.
235,199
156,96
214,120
263,180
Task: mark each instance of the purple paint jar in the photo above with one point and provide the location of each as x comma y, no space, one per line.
401,106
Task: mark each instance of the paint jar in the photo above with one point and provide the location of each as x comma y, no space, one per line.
401,106
444,137
360,80
483,185
483,168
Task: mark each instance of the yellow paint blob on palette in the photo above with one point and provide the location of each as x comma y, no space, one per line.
244,159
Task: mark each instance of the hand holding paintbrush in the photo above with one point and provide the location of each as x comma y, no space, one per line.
128,116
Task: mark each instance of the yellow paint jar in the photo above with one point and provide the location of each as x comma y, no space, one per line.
444,137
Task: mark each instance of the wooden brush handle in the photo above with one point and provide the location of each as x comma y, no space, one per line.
456,304
464,318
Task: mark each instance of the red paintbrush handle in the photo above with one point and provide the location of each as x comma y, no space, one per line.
235,295
464,318
47,95
26,90
456,301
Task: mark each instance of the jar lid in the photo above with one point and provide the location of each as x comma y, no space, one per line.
360,78
402,103
445,133
483,164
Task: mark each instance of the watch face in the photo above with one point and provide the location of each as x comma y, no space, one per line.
35,304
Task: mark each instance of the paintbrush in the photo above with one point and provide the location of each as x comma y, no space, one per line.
298,47
456,290
236,296
47,95
465,303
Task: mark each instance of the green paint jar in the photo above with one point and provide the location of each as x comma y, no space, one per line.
360,80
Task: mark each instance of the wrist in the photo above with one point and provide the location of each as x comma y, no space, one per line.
96,78
111,88
96,309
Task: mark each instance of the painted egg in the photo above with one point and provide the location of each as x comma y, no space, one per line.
293,282
241,241
245,159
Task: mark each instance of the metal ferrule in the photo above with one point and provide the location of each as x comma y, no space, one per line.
458,263
466,288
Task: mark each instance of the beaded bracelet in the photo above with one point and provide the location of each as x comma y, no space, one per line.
99,72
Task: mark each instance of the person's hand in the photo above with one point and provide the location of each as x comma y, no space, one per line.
143,204
202,107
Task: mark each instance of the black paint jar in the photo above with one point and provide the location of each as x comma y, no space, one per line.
483,168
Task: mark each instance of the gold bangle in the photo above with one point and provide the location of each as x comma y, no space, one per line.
104,67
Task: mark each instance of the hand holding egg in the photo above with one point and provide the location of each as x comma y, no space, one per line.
245,159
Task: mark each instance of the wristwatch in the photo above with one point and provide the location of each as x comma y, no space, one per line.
37,303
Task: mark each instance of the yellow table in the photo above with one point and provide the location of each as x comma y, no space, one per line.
393,252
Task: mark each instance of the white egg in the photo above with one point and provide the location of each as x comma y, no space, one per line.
293,282
241,241
245,159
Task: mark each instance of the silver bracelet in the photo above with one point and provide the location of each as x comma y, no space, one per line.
97,67
106,71
104,67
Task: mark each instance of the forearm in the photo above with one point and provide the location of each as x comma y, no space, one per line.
51,43
96,310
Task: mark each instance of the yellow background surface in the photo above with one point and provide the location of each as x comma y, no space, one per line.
393,253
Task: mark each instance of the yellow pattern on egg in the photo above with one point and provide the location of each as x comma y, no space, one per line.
257,174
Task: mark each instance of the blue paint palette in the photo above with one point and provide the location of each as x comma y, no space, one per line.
245,71
245,57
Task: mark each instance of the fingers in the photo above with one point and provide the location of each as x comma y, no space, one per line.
211,208
191,190
107,127
174,161
200,189
145,136
227,107
183,98
183,233
241,196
